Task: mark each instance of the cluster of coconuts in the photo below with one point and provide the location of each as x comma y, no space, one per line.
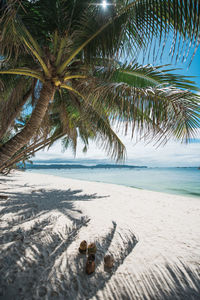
91,250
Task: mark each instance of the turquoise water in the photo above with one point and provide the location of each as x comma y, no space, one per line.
183,181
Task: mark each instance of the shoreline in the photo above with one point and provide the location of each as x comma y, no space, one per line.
169,192
153,236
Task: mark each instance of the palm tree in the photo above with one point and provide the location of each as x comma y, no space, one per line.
73,47
15,94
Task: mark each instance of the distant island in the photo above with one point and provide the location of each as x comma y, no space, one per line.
79,166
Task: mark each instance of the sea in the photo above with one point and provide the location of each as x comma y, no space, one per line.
173,180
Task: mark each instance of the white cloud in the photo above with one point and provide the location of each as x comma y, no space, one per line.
172,154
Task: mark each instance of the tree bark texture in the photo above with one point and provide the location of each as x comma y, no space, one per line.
31,150
24,136
9,115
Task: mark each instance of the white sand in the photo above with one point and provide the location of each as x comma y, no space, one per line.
154,238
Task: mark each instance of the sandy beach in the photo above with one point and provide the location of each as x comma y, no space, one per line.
154,238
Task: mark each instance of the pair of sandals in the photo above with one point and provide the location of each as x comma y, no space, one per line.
91,251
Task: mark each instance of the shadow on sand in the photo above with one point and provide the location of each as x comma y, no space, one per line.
172,280
36,262
34,259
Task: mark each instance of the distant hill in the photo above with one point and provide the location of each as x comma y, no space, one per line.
79,166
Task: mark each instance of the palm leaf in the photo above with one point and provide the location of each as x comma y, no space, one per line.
39,58
34,43
92,122
147,109
79,49
69,77
60,51
12,103
25,72
131,22
104,135
143,76
69,88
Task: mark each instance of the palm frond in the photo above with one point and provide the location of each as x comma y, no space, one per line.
126,25
148,75
147,109
91,121
69,77
33,42
69,88
60,50
25,72
37,55
140,25
12,105
157,18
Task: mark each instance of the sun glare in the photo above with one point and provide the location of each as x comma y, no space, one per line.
104,4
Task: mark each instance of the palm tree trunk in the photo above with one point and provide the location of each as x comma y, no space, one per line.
32,149
8,116
24,136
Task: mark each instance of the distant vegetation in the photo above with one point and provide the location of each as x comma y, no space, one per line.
77,166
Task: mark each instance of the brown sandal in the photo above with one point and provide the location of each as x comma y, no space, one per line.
108,261
83,247
92,249
90,264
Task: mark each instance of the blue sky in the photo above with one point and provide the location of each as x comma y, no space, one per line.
172,154
193,69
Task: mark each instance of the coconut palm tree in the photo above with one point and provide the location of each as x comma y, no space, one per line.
72,48
13,97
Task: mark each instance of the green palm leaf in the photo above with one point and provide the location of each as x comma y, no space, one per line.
149,108
25,72
143,76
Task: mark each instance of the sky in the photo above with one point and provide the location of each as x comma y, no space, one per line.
172,154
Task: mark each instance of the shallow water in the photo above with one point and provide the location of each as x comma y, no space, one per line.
182,181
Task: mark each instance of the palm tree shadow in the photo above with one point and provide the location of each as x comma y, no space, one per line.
30,231
27,207
76,284
35,260
39,262
172,280
6,178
